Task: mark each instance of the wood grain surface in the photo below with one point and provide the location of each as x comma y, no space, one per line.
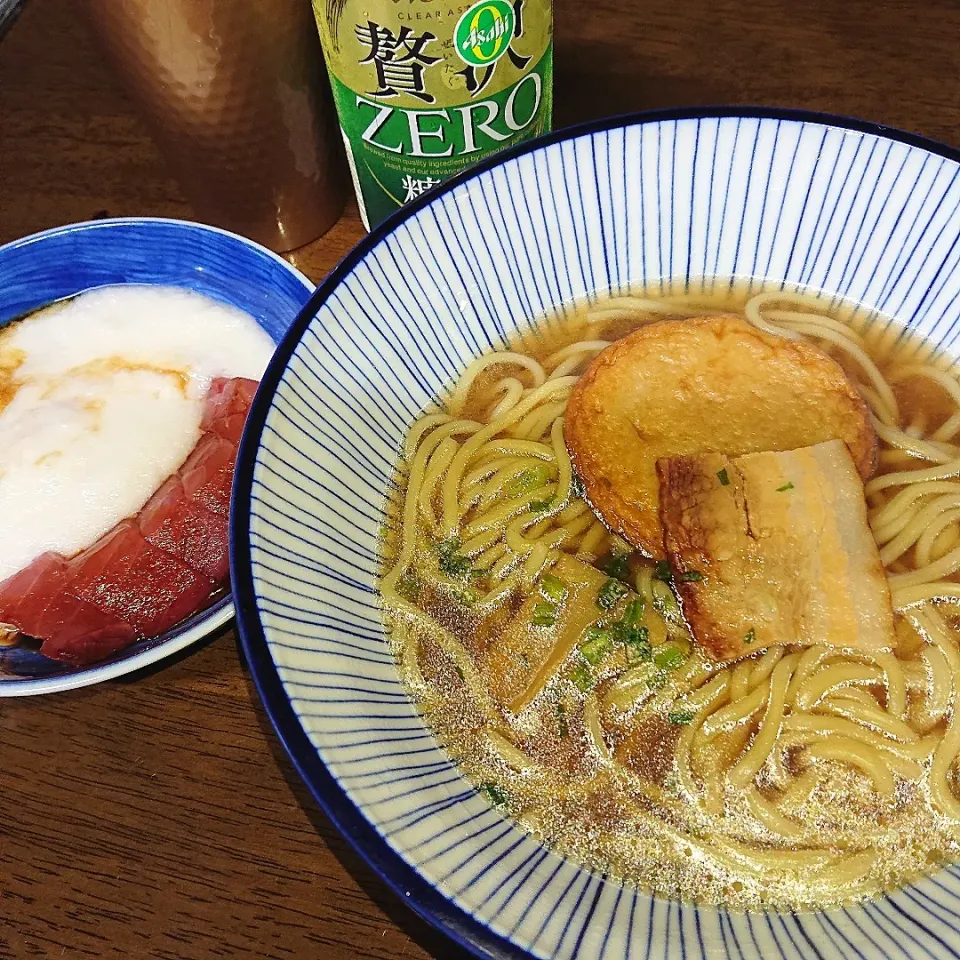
157,817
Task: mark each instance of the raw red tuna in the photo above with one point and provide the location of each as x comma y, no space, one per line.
198,537
35,602
25,595
79,633
149,572
127,577
227,405
207,475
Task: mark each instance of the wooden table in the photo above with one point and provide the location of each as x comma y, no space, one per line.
158,817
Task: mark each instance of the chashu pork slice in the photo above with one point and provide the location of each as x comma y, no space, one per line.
685,387
774,548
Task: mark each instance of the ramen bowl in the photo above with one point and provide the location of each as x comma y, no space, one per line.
64,261
796,199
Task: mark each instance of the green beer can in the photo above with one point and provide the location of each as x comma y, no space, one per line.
424,88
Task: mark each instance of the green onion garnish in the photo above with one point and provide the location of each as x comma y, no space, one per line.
662,571
553,588
610,593
465,595
723,477
459,671
787,486
596,644
680,718
669,657
634,612
495,794
582,676
690,576
618,566
657,680
544,614
636,639
408,586
750,636
450,561
541,506
527,480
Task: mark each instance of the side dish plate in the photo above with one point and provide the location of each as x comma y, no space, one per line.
64,261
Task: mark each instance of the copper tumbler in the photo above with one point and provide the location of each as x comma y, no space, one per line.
237,98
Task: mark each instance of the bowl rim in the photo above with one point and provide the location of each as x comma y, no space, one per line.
406,882
215,616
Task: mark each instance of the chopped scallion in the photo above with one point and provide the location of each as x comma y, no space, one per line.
610,593
636,639
450,561
669,657
657,680
690,576
544,614
723,477
582,676
465,596
618,566
596,645
495,794
787,486
750,636
527,480
634,612
408,586
662,571
680,718
459,671
541,506
553,588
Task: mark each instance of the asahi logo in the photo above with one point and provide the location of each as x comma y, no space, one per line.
484,32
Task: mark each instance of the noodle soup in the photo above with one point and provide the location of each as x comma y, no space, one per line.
801,775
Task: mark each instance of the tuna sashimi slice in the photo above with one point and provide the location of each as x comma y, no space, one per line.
227,395
230,428
77,632
25,595
125,576
172,523
207,474
226,406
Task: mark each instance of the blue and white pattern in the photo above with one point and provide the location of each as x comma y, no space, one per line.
870,214
58,263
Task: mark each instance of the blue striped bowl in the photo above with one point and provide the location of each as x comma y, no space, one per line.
67,260
849,207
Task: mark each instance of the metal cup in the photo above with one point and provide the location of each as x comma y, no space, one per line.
237,98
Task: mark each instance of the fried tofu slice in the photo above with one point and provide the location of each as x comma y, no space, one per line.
522,660
681,387
774,548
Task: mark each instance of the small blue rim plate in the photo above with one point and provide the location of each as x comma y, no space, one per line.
45,267
804,198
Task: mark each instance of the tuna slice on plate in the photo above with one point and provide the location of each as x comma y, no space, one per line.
149,572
